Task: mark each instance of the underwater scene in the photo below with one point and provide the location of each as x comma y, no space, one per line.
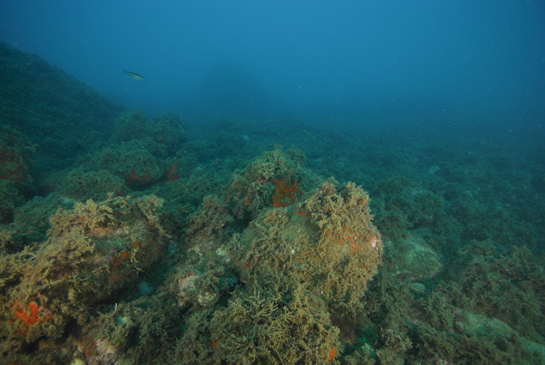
226,221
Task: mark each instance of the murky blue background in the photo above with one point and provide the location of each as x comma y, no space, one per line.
348,61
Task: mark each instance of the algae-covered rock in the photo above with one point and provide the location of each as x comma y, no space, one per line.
276,179
470,338
31,220
166,130
481,326
134,162
131,125
11,199
328,244
266,326
141,154
187,290
402,204
92,250
16,162
96,185
59,113
412,258
506,284
281,255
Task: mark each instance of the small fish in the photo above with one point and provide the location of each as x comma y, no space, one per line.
134,75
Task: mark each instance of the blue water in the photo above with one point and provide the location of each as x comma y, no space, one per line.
322,60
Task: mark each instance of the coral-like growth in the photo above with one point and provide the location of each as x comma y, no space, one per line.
284,194
275,177
36,314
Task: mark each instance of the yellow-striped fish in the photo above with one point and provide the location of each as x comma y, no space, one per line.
134,75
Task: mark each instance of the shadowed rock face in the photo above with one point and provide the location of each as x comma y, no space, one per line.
61,114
